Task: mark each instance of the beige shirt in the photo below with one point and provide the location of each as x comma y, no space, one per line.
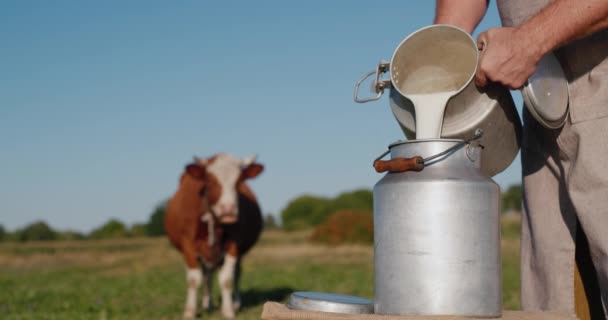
585,62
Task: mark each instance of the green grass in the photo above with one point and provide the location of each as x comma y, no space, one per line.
144,278
510,228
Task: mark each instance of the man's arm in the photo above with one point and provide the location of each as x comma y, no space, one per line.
566,20
465,14
511,54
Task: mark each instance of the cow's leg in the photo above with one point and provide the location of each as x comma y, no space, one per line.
226,279
236,305
207,282
194,277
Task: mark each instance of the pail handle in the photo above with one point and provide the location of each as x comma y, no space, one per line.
417,163
378,85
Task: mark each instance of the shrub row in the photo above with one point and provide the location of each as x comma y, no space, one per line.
346,226
308,211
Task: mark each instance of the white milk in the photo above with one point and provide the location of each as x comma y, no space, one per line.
429,113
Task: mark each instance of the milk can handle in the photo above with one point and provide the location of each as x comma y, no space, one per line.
417,163
399,165
379,85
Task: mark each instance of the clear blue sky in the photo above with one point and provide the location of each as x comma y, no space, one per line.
102,103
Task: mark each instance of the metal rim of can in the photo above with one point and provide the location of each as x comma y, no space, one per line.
330,302
400,142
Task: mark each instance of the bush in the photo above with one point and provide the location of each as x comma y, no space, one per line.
358,199
70,235
3,233
36,231
309,211
346,226
111,229
156,223
303,212
137,230
511,199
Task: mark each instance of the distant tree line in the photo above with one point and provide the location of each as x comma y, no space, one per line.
113,228
308,211
346,217
41,231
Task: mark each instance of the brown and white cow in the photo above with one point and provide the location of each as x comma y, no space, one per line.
214,219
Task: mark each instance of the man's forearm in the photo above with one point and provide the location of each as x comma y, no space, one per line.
563,21
465,14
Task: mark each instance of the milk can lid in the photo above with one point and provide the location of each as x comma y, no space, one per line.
330,302
546,93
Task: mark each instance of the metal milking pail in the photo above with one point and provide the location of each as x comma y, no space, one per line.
490,109
436,231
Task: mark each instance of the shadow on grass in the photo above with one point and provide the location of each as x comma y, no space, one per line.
254,297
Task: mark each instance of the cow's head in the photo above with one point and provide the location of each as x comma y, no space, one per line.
221,176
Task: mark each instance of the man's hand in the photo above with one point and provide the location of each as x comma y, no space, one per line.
506,57
511,54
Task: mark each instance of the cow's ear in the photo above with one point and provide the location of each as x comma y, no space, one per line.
196,171
252,170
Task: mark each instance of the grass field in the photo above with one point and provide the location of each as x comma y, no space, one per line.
144,278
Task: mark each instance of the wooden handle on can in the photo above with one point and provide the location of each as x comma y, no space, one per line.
399,165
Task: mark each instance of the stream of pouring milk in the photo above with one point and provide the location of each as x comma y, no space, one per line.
429,113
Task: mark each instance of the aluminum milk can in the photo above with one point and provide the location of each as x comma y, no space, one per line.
436,231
